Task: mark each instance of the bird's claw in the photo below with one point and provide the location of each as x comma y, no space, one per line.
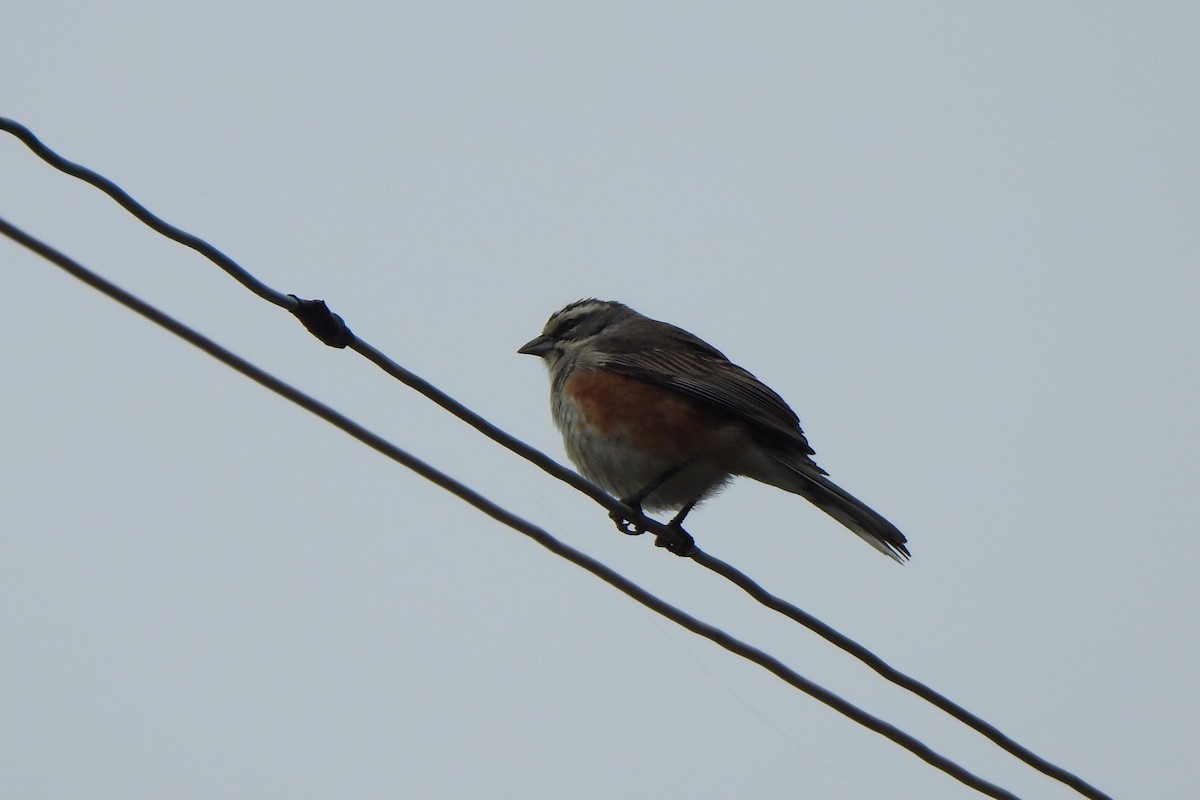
625,526
676,540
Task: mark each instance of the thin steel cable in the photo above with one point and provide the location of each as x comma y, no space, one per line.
478,501
145,215
922,690
560,472
290,303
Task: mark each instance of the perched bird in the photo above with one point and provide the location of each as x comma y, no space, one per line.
661,419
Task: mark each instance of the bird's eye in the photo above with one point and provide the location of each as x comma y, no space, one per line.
566,326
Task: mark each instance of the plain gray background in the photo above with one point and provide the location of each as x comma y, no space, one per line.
961,241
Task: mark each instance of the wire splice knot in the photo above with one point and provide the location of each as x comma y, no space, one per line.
322,323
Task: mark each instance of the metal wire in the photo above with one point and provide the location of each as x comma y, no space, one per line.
539,535
553,468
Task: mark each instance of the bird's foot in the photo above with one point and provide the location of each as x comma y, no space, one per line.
625,526
676,540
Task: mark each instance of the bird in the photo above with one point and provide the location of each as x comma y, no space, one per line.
662,420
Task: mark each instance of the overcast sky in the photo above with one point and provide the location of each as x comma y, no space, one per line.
961,241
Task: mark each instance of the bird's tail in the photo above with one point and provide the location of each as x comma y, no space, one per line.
809,481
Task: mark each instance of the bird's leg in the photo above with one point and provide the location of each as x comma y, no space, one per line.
678,541
635,502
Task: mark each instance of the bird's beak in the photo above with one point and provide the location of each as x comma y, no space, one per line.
538,347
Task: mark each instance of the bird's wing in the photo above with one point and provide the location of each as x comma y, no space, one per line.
695,368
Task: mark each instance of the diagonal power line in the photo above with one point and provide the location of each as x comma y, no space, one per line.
331,330
539,535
